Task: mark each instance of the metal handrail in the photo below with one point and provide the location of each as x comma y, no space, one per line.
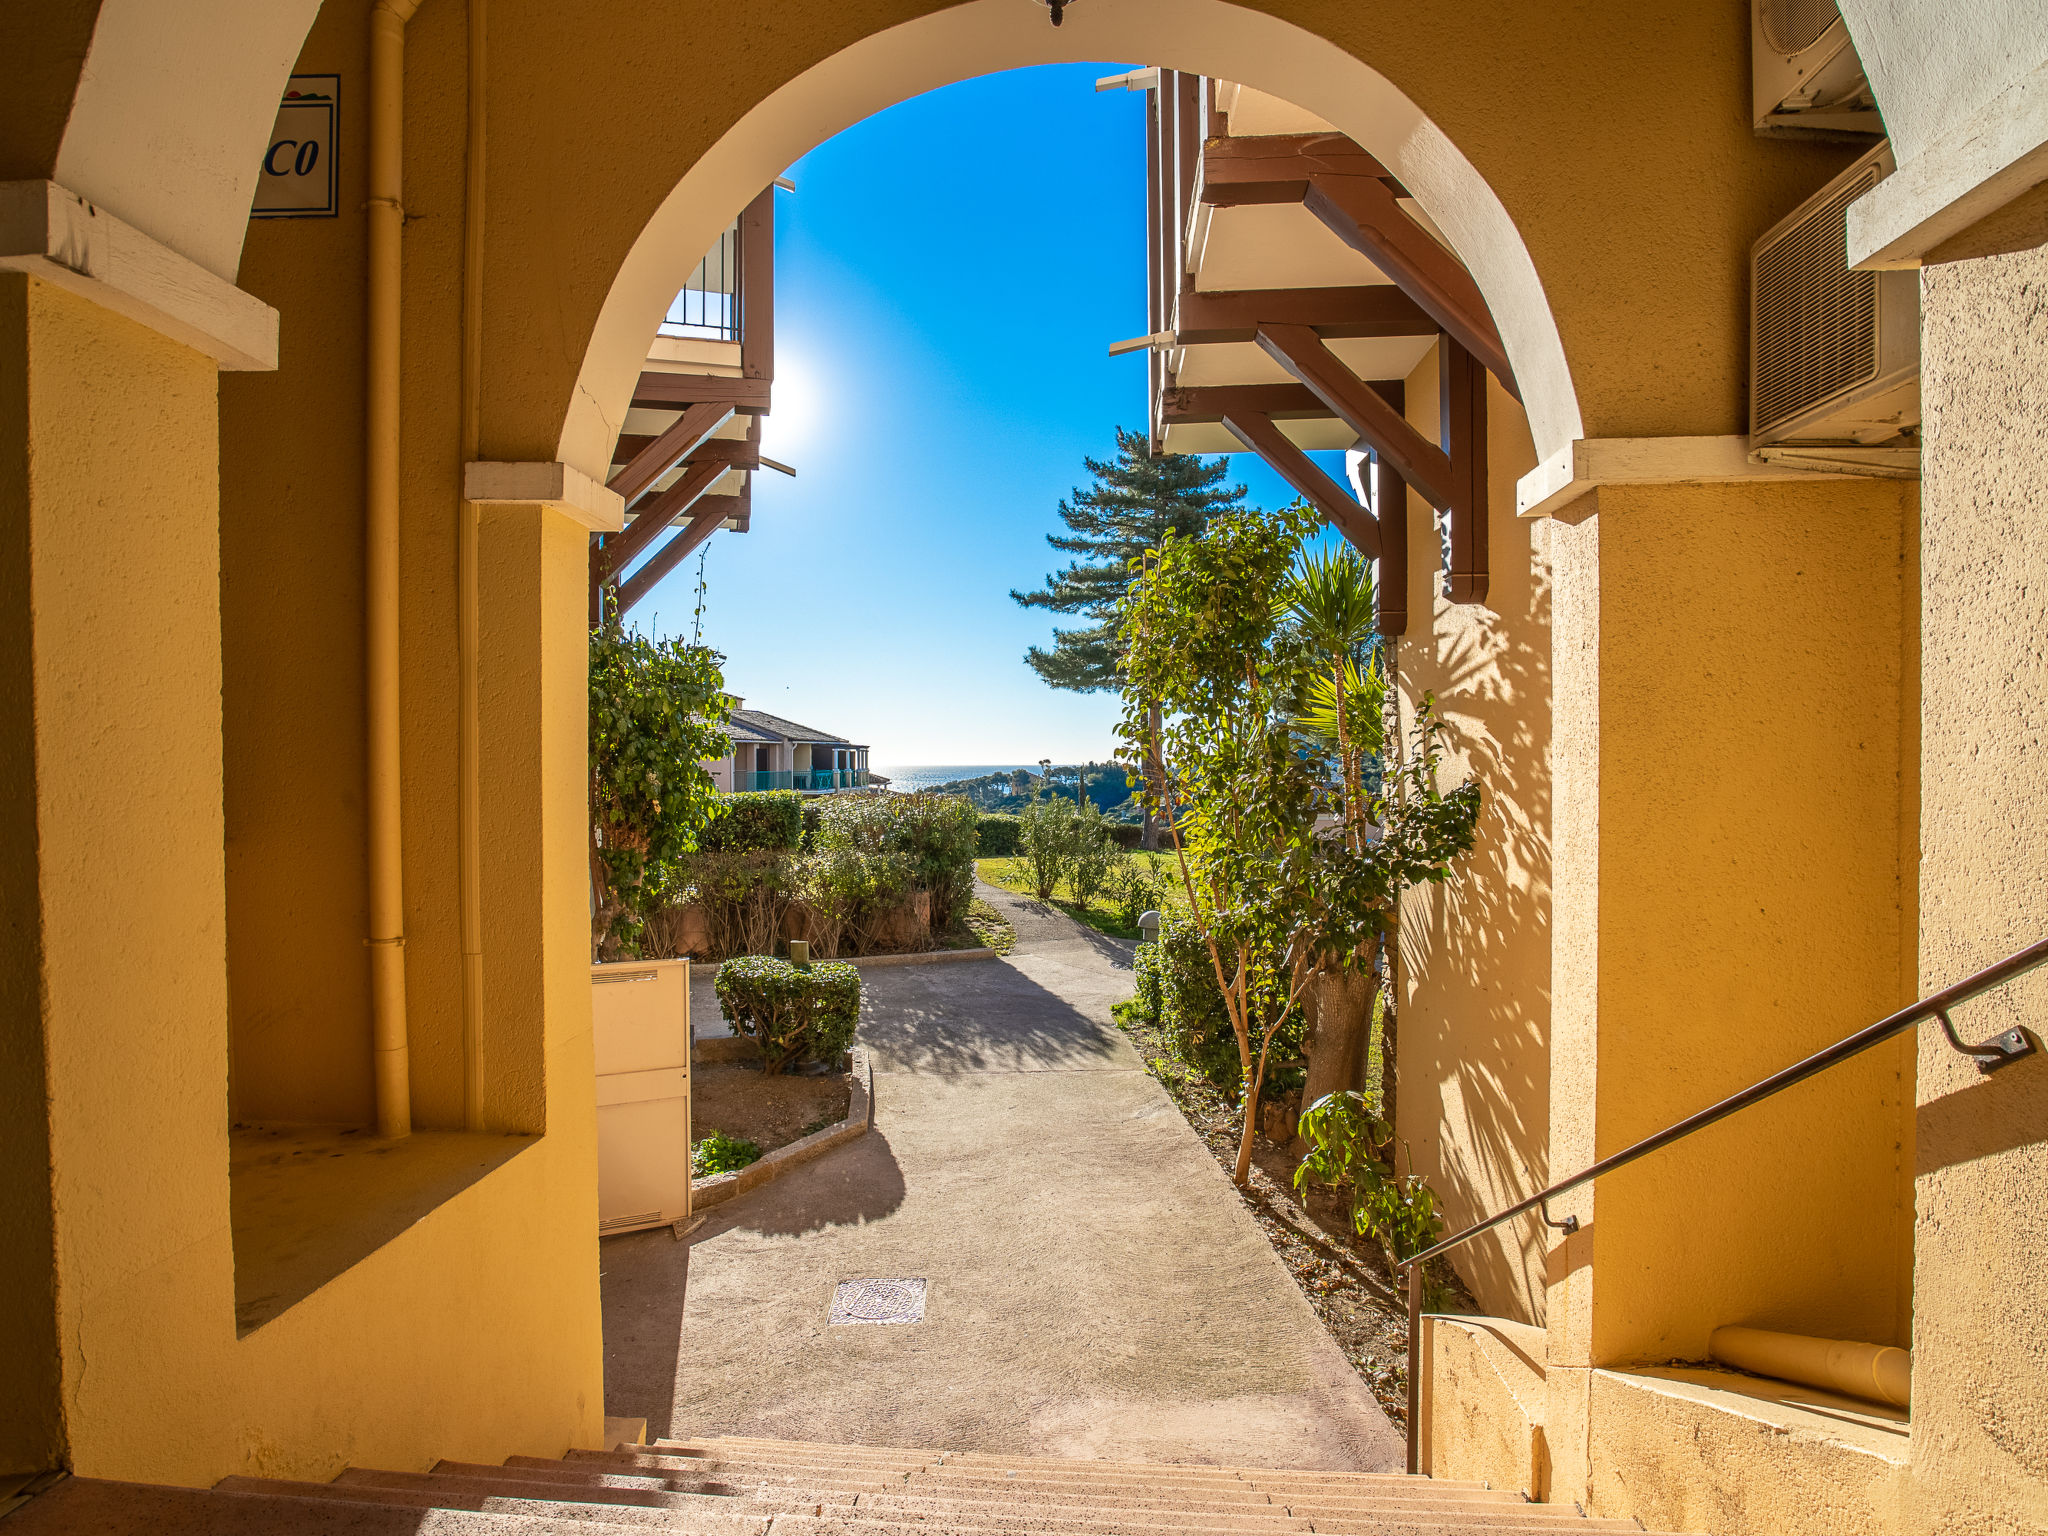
1999,1051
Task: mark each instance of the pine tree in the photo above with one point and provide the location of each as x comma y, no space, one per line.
1135,502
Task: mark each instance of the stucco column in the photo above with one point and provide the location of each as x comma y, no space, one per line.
1733,834
113,1027
1980,1400
537,1066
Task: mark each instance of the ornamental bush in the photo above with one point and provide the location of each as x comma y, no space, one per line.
795,1012
772,821
998,834
1195,1022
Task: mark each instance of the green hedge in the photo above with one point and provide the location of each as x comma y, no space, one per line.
757,823
1126,835
1177,989
998,837
795,1012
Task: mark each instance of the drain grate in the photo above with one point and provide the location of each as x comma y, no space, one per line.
878,1301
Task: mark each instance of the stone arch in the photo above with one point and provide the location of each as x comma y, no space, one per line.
985,36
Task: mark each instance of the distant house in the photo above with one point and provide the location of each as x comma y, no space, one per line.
769,752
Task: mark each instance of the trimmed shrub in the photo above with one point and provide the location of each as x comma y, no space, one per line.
772,821
998,834
1191,1013
1126,835
938,834
1196,1024
1145,965
795,1012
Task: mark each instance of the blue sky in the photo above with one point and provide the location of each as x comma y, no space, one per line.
950,274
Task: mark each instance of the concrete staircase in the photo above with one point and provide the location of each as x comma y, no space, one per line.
741,1487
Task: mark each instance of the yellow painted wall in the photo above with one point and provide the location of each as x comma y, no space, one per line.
1731,714
125,936
1474,1102
1980,1378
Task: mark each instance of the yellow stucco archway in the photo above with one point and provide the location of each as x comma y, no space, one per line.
983,36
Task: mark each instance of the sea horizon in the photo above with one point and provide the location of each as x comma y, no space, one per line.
916,776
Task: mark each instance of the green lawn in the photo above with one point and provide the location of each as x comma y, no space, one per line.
1014,874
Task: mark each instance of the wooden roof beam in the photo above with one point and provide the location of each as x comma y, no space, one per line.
1202,404
649,458
1274,168
1378,310
1462,398
677,391
1361,211
1258,433
1354,402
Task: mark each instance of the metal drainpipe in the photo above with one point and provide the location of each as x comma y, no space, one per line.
386,942
469,793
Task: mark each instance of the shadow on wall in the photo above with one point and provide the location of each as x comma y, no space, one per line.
1475,1027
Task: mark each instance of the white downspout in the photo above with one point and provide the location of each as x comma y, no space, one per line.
386,942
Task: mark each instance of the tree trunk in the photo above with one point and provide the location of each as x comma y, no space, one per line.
1340,1024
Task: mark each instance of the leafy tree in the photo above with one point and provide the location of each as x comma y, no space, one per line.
1135,503
1228,634
656,708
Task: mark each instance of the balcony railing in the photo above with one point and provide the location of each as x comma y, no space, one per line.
709,303
816,781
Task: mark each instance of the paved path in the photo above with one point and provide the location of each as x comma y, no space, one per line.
1095,1288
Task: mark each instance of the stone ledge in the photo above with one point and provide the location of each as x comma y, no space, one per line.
860,1117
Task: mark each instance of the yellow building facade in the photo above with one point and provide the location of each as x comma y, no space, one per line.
1762,748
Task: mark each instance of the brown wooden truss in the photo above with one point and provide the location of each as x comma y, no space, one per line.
1193,159
706,403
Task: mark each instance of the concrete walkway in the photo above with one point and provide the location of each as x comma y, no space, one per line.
1095,1288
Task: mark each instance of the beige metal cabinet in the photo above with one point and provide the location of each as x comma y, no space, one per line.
640,1020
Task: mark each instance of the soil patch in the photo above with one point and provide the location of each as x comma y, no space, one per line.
1345,1279
743,1101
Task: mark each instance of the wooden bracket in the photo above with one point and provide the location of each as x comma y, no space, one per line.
1258,433
1361,211
614,554
656,456
1360,407
704,523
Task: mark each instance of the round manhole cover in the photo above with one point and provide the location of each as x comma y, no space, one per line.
878,1301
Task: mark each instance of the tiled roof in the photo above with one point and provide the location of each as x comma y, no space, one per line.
775,728
737,731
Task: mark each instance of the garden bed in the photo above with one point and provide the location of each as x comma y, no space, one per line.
741,1100
1345,1279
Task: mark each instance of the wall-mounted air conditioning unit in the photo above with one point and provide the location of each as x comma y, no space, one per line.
1834,355
1805,76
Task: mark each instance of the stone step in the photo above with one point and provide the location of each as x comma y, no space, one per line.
484,1483
82,1506
447,1496
1243,1500
1043,1465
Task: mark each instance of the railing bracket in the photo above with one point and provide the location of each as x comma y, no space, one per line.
1568,1226
1999,1051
